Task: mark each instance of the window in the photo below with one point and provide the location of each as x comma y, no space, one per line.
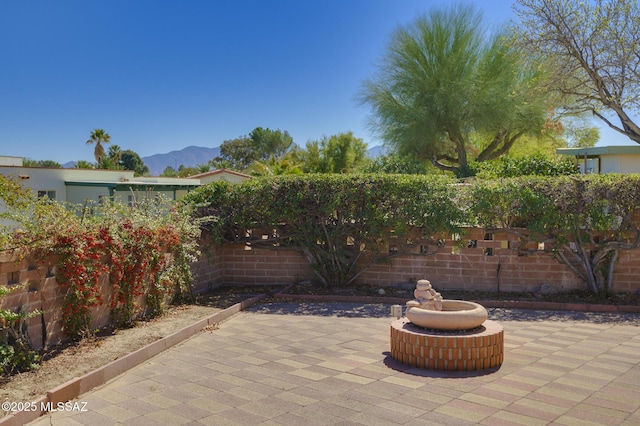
49,194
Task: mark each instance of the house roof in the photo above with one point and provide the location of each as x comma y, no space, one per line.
220,172
600,150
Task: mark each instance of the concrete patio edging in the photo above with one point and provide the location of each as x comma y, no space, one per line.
79,385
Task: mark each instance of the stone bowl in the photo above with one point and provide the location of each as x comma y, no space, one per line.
455,315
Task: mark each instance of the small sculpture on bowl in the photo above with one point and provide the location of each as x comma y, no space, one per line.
430,310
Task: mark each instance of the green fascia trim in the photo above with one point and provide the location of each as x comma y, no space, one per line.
125,186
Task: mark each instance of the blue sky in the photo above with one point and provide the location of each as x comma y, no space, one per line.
161,75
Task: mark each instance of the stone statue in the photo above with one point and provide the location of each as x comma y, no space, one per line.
430,310
425,297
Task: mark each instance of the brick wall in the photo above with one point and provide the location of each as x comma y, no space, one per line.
483,262
42,293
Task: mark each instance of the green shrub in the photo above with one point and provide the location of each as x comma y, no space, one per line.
343,223
538,165
338,222
16,354
586,219
127,243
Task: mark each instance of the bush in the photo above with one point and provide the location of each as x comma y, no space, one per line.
130,244
338,222
537,165
16,354
342,224
586,219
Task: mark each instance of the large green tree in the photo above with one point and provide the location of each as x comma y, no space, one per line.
262,145
99,137
340,153
442,79
130,160
235,154
593,47
268,143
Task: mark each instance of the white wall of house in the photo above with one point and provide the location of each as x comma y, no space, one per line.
46,179
6,160
78,194
140,194
629,163
78,185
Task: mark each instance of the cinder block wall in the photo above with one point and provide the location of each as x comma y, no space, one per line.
481,261
43,293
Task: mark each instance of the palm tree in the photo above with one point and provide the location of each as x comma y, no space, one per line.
115,153
99,136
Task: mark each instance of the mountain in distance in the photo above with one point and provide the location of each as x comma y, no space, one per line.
190,156
376,151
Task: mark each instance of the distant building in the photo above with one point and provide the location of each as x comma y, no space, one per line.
221,174
78,186
606,159
10,161
81,185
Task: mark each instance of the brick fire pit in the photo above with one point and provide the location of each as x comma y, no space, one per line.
478,349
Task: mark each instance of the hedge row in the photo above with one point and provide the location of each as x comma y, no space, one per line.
339,221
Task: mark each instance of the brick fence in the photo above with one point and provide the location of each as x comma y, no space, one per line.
483,261
488,262
43,293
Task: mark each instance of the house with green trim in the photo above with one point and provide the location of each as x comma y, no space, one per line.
81,185
605,159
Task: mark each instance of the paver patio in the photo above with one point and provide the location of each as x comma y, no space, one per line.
318,364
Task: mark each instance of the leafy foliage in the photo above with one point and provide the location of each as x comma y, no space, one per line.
129,246
343,224
393,164
235,154
338,222
592,47
27,162
586,219
268,143
340,153
442,80
16,354
117,159
539,165
130,160
262,144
